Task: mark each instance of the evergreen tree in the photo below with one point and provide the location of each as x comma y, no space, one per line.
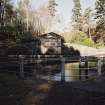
87,15
52,7
100,14
77,16
12,27
87,21
7,17
100,20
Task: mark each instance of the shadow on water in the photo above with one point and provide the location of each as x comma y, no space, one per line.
72,72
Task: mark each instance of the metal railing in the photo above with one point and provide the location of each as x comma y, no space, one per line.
22,64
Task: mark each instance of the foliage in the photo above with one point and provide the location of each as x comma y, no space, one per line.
24,38
82,21
100,24
12,27
52,7
81,38
87,15
100,20
70,51
7,18
77,16
76,10
100,8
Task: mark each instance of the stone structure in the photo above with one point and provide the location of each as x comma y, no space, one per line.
51,43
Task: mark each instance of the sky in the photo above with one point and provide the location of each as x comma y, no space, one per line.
64,7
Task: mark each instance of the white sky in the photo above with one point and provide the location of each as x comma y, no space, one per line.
64,7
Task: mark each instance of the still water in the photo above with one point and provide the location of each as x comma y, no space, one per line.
71,73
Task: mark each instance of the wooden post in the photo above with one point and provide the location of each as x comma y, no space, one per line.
99,66
21,57
62,69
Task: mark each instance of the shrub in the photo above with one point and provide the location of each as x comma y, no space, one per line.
81,38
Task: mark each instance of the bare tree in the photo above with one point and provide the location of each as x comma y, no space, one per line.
24,8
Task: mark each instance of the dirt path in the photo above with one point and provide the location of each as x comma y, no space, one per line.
52,93
63,94
68,95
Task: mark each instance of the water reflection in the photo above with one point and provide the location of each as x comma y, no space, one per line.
71,72
68,76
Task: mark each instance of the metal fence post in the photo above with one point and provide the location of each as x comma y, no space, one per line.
35,67
103,69
99,66
62,69
49,75
80,71
21,57
86,69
